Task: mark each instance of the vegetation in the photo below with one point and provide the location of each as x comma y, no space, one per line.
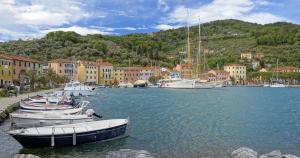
223,41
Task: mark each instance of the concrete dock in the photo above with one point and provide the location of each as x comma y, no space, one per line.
9,104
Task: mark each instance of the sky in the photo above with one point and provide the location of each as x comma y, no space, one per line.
28,19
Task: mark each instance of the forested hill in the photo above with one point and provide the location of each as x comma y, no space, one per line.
223,40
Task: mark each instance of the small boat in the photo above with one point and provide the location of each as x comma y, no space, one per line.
25,120
71,134
77,89
125,85
44,107
75,110
278,85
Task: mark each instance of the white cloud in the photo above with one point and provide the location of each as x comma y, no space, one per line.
78,29
165,27
220,10
21,19
162,5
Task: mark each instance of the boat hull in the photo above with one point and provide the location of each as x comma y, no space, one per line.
182,84
68,139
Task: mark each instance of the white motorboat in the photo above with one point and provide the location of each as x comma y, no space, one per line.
25,120
77,89
29,106
278,85
175,81
75,110
125,85
71,134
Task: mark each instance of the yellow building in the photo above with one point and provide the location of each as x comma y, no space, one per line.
247,56
105,72
236,71
6,68
119,75
87,72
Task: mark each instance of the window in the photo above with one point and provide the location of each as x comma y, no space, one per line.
14,71
20,63
59,71
59,64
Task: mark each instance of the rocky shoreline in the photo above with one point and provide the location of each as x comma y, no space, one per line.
243,152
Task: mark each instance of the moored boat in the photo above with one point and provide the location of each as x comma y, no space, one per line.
75,110
24,120
71,134
77,89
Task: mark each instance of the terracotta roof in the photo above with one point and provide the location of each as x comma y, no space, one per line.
220,71
234,65
100,62
286,68
5,57
60,61
87,63
20,58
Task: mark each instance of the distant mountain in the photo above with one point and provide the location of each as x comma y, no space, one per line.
222,40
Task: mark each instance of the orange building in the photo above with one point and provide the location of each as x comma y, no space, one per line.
64,68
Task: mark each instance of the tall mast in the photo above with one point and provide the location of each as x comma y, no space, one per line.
277,71
199,50
188,40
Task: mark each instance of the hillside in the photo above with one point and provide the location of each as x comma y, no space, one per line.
224,40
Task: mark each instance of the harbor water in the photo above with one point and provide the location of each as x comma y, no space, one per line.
189,123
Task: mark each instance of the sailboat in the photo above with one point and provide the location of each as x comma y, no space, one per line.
175,79
277,84
199,84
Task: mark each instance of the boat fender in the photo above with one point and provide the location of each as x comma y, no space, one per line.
52,137
74,136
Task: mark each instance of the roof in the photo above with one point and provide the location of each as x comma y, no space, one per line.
5,57
234,65
220,71
87,63
61,61
286,68
19,58
100,62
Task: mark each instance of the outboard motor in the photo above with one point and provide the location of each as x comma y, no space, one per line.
91,112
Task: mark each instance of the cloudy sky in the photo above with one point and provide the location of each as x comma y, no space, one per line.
28,19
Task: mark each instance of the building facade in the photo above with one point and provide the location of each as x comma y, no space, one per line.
64,68
247,56
19,65
286,69
6,68
87,72
237,72
220,75
119,75
131,74
105,72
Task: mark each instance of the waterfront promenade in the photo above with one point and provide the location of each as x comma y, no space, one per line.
10,102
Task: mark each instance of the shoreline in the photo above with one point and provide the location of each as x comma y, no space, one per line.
10,104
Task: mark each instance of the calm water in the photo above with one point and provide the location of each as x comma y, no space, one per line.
191,123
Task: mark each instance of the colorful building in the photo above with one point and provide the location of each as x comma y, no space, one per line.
6,68
119,75
286,69
105,72
220,75
131,74
247,56
20,65
147,72
237,72
87,72
64,68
